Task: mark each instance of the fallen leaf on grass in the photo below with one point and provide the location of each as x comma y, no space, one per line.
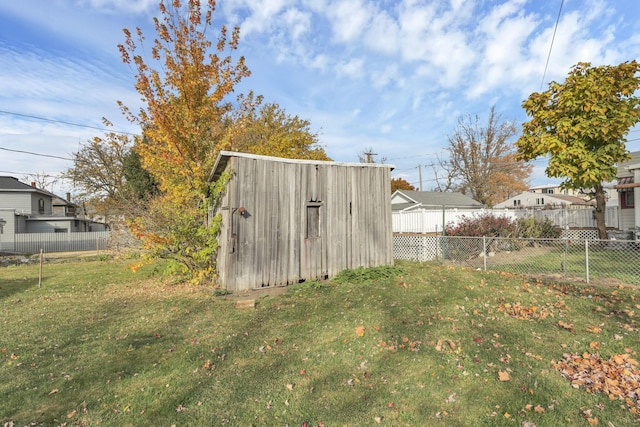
503,376
522,312
567,326
360,331
54,391
618,377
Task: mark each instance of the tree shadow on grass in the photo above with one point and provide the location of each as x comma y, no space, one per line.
10,287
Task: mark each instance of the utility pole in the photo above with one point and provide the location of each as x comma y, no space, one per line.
369,156
420,175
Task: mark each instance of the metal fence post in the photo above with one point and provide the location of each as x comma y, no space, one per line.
564,256
586,257
484,251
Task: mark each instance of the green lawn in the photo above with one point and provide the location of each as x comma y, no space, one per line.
605,262
406,346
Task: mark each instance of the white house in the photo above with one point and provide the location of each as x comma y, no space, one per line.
628,188
27,209
528,200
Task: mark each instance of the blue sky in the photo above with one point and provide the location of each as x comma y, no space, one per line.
394,76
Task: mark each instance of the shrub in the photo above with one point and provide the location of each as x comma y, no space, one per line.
485,224
534,228
489,225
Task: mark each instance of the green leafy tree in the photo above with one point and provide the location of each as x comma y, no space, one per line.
140,182
97,170
582,125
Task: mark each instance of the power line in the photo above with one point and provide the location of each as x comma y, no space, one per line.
52,175
36,154
66,123
551,46
414,156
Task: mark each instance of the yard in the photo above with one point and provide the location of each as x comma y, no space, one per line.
414,344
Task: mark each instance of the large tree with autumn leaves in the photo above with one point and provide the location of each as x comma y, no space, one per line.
482,160
188,116
582,125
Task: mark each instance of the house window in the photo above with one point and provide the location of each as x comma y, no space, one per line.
628,199
516,203
540,201
41,206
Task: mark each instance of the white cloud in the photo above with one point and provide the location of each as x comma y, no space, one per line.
386,76
348,19
353,68
298,22
383,34
319,62
114,6
263,14
502,41
436,38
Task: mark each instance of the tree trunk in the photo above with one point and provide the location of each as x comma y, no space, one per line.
600,211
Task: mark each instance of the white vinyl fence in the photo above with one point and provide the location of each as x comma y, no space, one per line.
434,220
60,242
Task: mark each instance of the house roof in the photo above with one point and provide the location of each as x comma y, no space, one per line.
224,156
9,183
435,198
574,200
548,199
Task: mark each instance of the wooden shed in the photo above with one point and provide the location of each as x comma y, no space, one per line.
285,221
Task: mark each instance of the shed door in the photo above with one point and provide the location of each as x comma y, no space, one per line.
313,255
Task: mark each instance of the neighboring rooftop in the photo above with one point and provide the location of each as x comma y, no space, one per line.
435,198
10,183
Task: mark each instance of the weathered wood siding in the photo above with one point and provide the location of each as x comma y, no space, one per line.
302,221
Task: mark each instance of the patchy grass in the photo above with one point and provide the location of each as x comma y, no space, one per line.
606,261
403,346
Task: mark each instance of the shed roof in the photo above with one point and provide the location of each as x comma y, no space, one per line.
224,156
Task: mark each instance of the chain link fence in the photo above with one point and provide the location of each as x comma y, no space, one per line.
586,259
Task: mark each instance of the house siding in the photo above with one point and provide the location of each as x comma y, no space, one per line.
305,221
20,202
